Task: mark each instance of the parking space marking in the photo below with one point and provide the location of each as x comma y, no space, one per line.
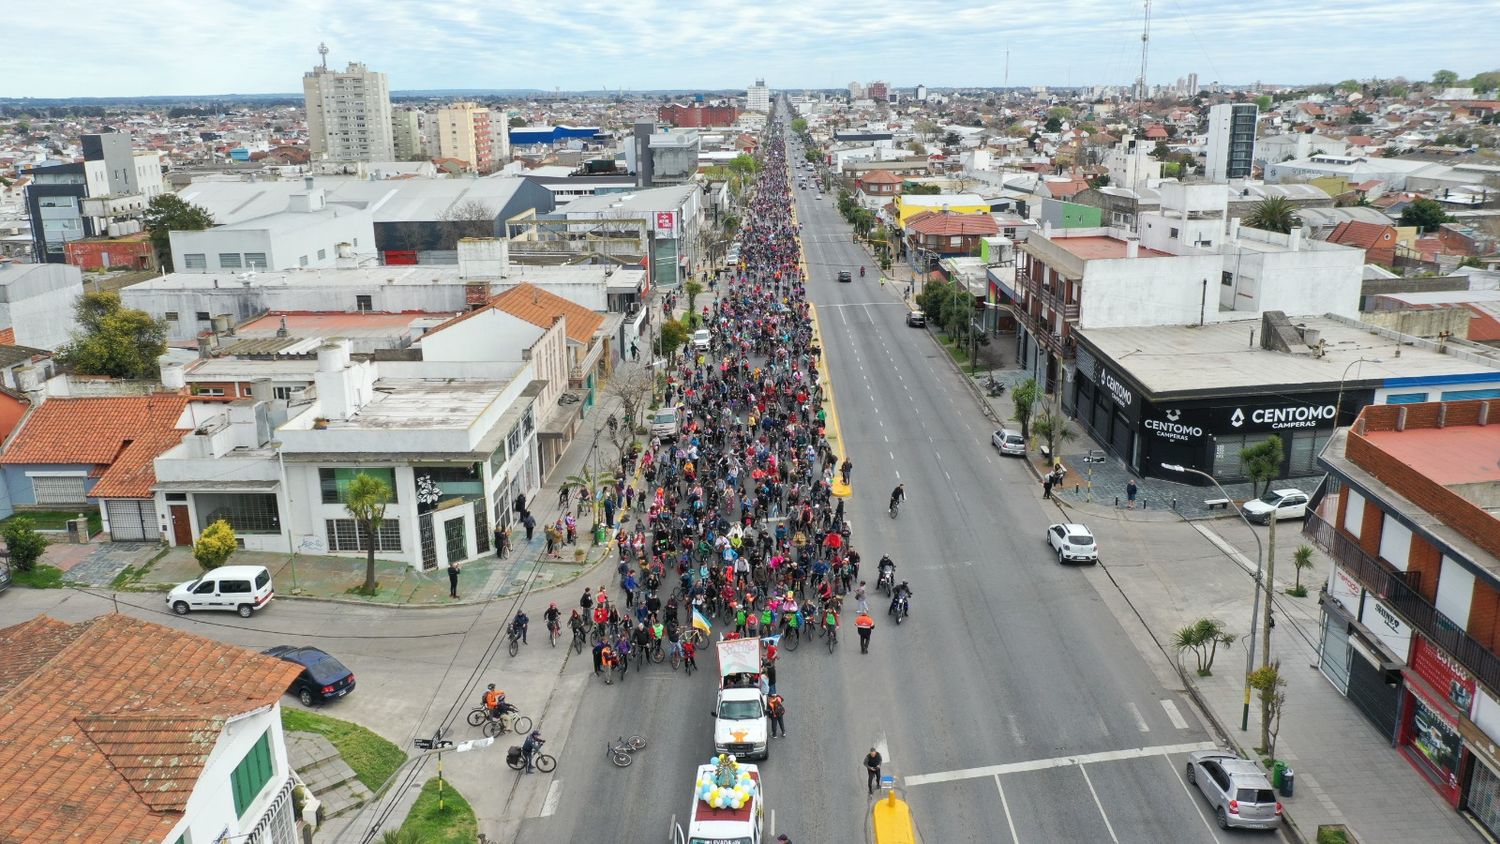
1102,814
1056,762
1135,713
1173,715
1005,804
1192,798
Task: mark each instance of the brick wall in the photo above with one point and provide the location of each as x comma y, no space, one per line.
1484,612
1426,560
1370,525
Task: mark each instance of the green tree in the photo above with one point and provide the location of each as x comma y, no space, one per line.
1399,91
927,127
1051,426
921,190
1301,559
693,290
1263,101
365,500
23,541
674,335
516,121
799,125
1426,214
1053,124
744,164
1273,214
1349,86
1444,78
1060,112
1262,461
1203,637
1270,687
1483,83
166,213
214,545
112,340
1024,397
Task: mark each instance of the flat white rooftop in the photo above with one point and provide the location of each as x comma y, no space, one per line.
353,277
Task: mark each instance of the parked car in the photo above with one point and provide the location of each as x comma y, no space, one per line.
1009,442
916,319
845,276
323,677
1284,503
1073,543
1236,790
4,574
241,589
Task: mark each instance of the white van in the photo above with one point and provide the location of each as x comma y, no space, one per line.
241,589
664,423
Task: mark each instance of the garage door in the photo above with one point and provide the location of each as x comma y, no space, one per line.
132,520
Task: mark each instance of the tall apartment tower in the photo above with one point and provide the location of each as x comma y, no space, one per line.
1231,141
758,97
463,132
406,134
1192,85
348,113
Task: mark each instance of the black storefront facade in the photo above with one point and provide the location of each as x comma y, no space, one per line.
1204,429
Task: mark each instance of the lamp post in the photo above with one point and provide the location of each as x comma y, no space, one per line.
1338,405
1260,556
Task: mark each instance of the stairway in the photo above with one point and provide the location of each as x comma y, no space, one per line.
326,774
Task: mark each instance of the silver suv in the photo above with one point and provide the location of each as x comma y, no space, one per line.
1236,790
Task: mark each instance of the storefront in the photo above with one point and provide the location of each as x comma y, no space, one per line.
1362,650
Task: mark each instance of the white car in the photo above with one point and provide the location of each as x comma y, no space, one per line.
1284,503
701,339
1073,543
1009,442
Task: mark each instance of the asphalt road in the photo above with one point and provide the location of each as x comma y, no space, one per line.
1010,667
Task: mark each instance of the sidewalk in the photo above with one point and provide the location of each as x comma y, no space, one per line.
1174,572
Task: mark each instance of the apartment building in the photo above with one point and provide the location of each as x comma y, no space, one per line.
1411,611
348,114
406,134
464,133
104,195
758,97
1231,141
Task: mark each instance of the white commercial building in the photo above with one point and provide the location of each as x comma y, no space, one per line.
37,302
1131,164
348,114
310,233
1231,141
758,97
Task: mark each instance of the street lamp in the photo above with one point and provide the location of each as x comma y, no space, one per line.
1338,405
1260,556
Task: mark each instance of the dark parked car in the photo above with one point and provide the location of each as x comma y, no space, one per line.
916,319
845,276
323,677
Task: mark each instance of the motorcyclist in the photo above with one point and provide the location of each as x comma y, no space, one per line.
531,747
902,593
861,272
885,572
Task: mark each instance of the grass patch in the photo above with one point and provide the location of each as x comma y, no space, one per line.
41,577
361,591
1331,835
57,519
454,823
373,758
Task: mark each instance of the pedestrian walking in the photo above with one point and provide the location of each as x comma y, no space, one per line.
453,579
552,535
776,708
859,598
872,769
500,539
635,352
1047,485
530,522
1130,491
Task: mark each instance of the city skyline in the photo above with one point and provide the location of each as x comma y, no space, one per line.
717,45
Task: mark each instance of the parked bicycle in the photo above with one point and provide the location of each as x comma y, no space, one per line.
619,751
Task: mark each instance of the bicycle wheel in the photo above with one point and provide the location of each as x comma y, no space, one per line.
676,660
544,763
619,757
636,742
790,640
515,646
553,634
578,643
476,717
833,639
656,655
521,724
595,635
493,728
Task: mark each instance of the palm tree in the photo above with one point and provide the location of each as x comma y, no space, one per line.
592,482
1051,425
365,499
1274,214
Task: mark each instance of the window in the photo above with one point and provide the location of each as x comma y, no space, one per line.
527,422
229,260
208,391
255,260
245,512
335,482
282,393
252,774
1461,395
302,261
363,303
202,316
54,489
456,539
1227,279
513,439
497,458
1172,233
195,261
345,535
322,254
171,316
956,240
1405,398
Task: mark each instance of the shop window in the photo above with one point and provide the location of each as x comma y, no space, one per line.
245,512
335,482
1405,398
1465,395
344,535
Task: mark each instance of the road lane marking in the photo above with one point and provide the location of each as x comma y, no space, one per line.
892,454
554,795
1005,804
1057,762
1192,798
1135,713
1015,729
884,749
1090,783
1173,715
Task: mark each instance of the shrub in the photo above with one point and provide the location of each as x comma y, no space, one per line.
214,545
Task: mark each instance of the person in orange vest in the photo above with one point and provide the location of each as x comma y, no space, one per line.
865,624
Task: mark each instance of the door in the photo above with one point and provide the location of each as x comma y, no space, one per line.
182,527
132,520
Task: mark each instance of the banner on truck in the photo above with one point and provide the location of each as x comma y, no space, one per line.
739,656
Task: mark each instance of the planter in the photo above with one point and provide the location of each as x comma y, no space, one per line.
1335,833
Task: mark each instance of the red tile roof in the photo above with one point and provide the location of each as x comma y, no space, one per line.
109,722
7,336
947,223
538,307
880,177
119,436
1361,234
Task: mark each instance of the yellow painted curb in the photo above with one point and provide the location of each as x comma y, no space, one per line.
891,820
834,433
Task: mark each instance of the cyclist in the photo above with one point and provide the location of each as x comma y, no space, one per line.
531,747
689,650
864,624
494,701
552,615
898,495
861,272
830,620
519,624
577,625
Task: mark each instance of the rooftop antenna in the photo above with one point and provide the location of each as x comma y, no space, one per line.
1145,42
1007,68
323,54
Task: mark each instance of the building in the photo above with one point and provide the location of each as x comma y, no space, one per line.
1377,241
131,251
758,97
463,132
537,136
1131,165
663,223
1277,148
37,303
124,730
878,91
1231,141
105,194
310,234
674,157
406,134
697,115
1409,612
877,188
348,113
909,205
934,235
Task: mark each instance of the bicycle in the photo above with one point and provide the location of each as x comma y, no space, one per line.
895,507
619,751
507,723
791,637
580,638
655,652
833,638
514,645
554,630
543,762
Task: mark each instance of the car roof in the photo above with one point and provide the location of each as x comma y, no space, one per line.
1288,491
1073,527
233,571
305,655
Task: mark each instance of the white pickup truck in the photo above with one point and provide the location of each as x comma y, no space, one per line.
742,725
709,824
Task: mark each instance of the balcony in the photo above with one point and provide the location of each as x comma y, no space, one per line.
1399,589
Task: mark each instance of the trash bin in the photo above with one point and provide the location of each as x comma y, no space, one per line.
600,534
1278,770
1288,778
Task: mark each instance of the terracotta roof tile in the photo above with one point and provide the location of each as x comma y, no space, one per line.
948,223
111,724
7,336
538,307
1358,233
91,430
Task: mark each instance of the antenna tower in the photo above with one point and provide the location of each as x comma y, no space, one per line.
1145,43
323,54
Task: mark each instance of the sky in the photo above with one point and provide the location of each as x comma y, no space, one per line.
70,48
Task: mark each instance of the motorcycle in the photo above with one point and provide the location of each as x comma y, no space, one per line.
901,608
993,387
883,583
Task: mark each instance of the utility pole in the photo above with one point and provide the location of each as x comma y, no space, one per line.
1265,625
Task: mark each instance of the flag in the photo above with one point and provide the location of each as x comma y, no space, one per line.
771,640
700,621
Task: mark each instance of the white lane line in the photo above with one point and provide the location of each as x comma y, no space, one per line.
1135,713
1102,814
1005,804
898,475
946,475
1192,798
554,796
886,438
773,822
988,460
1056,762
1173,715
892,454
884,749
1015,730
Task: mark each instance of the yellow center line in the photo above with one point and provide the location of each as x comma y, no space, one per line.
832,430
